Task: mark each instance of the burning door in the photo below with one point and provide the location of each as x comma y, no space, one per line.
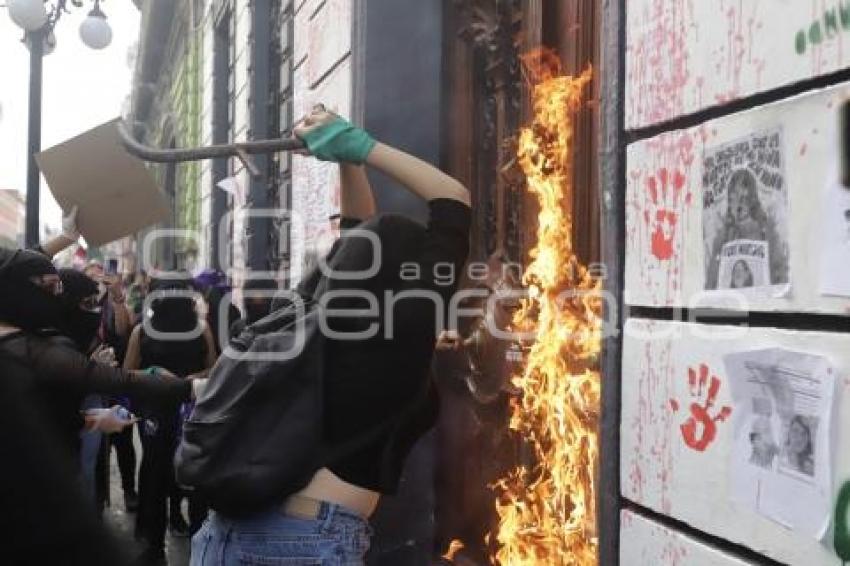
517,469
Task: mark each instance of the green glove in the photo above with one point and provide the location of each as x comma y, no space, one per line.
339,141
841,535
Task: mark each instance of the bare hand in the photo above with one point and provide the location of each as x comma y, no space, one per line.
69,225
104,355
107,420
317,118
449,340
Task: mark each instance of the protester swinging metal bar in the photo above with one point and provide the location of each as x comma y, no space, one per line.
242,150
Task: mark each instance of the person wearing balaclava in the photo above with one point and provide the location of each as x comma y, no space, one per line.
81,321
258,298
212,284
32,316
171,336
81,313
49,377
114,330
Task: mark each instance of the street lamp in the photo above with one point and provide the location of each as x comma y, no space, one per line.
38,18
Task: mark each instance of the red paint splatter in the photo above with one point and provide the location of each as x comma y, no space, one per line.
803,149
700,428
664,190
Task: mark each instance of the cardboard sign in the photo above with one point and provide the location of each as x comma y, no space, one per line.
115,191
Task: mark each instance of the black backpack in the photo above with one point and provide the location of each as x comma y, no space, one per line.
255,433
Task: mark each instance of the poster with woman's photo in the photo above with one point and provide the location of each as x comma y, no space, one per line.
745,214
781,460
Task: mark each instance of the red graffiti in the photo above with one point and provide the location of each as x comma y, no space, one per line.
700,429
665,191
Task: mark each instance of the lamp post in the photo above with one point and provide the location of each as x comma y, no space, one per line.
38,18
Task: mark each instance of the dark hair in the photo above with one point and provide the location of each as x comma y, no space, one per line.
260,284
22,303
173,313
746,179
750,280
807,452
76,286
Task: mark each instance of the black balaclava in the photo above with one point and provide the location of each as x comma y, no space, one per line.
173,313
258,307
401,241
80,325
23,303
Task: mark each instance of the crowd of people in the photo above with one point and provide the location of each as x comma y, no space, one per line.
89,359
80,333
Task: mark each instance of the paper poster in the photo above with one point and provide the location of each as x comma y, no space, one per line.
115,191
781,460
835,240
745,214
743,264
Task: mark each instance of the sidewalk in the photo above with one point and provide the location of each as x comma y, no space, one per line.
122,523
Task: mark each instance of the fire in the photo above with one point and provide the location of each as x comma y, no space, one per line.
546,505
454,547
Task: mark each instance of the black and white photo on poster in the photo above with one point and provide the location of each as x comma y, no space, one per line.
781,457
745,213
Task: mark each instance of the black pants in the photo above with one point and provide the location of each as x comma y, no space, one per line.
198,508
156,484
123,444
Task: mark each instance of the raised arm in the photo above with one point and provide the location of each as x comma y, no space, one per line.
121,313
418,176
356,199
330,138
68,237
133,356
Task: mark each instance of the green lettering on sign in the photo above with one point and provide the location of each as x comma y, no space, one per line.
800,43
815,33
830,20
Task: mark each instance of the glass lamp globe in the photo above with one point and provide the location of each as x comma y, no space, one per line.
95,31
28,14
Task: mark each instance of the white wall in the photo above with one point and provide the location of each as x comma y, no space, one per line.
322,74
661,472
676,276
687,55
647,543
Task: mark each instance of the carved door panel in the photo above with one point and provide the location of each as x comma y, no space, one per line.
486,103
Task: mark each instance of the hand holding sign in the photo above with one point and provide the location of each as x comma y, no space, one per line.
115,192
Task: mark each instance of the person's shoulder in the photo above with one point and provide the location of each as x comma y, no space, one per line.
59,340
11,340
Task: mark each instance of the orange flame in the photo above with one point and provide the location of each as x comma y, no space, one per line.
547,507
454,547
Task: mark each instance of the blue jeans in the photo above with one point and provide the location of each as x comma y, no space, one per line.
337,537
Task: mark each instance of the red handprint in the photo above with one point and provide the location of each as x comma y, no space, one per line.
665,191
700,413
